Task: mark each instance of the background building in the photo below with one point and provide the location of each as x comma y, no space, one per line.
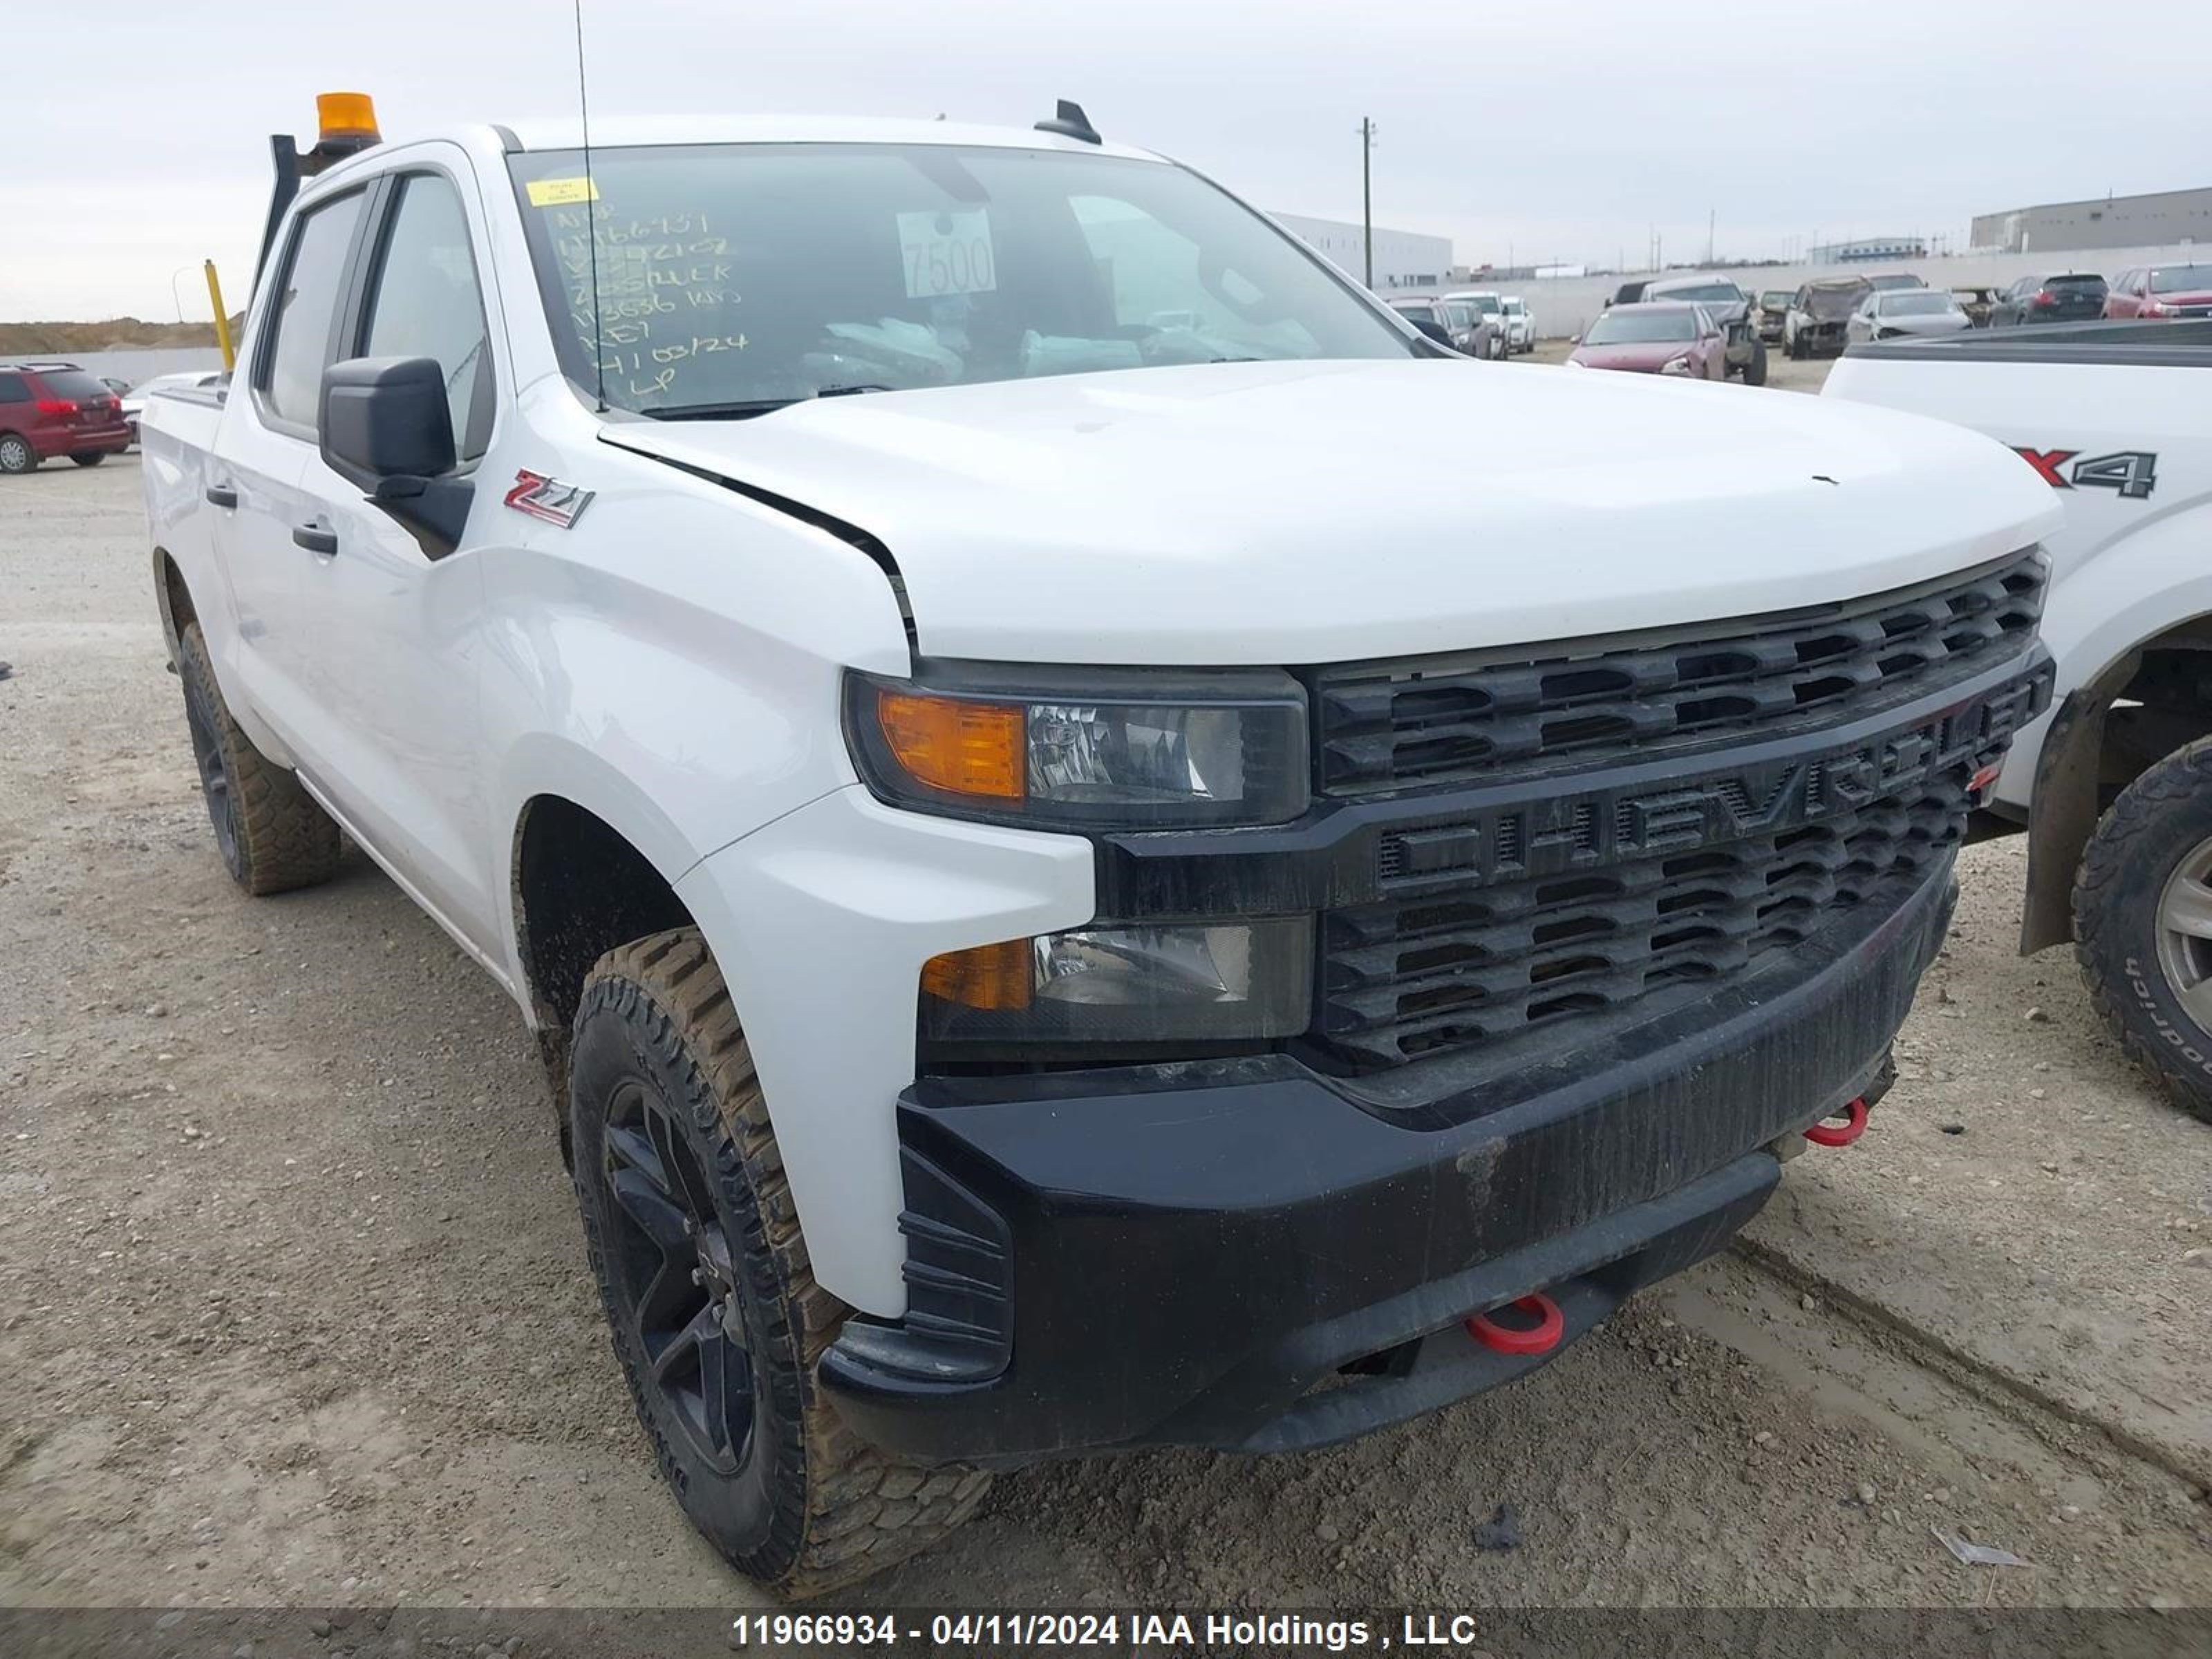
1866,248
2166,218
1405,260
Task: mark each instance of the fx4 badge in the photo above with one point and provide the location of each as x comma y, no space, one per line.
2133,472
548,499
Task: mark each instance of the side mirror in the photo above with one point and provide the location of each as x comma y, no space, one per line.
384,425
1574,339
384,418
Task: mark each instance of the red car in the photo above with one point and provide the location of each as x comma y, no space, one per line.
1655,338
2159,292
56,408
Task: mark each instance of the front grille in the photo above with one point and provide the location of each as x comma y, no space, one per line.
1485,964
1428,721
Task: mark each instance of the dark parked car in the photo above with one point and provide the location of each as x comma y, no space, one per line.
1819,313
1631,292
2073,297
56,408
2161,293
1659,338
1454,323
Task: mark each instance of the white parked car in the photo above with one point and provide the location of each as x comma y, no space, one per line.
134,401
1906,313
2113,787
1104,845
1489,306
1520,324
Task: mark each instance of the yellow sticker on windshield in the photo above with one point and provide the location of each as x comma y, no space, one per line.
562,192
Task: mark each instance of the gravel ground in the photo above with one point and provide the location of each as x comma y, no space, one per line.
293,1310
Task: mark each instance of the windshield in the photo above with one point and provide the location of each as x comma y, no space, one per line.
2180,279
1624,327
1727,293
1483,302
734,278
73,383
1917,304
1418,311
1775,298
2096,284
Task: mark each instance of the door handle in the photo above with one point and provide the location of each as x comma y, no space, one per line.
316,536
221,495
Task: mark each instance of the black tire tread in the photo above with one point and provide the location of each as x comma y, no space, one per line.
847,1511
2170,784
286,839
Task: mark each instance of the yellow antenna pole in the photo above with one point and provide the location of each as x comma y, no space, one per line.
222,319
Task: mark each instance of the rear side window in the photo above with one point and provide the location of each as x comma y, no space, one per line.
305,308
426,303
13,390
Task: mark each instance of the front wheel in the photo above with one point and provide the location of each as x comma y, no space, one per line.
708,1290
2142,924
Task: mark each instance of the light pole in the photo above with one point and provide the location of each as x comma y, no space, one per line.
1367,197
173,300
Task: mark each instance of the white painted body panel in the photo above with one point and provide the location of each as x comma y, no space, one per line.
673,662
2123,571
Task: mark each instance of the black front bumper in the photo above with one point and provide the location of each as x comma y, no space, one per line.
1187,1254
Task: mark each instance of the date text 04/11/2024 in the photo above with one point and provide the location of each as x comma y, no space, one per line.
1214,1631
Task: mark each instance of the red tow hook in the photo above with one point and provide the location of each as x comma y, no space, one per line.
1542,1337
1825,1134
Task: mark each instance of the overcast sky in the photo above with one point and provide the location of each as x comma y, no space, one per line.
135,144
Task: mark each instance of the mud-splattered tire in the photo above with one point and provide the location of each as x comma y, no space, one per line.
677,1174
271,836
2142,924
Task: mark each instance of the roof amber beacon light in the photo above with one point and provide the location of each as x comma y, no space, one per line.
345,115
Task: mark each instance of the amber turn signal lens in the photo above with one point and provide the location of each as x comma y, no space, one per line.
963,747
994,976
345,115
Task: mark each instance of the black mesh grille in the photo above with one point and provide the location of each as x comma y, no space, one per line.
1484,964
1431,721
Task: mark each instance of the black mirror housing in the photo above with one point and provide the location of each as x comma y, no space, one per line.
385,417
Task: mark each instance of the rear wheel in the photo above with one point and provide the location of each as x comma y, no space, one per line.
93,458
17,454
2142,924
271,837
1754,372
708,1290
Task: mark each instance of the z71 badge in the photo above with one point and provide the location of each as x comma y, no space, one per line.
548,499
2133,472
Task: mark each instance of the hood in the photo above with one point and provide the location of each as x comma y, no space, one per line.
1645,356
1307,513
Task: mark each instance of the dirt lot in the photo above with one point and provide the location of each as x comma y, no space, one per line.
292,1308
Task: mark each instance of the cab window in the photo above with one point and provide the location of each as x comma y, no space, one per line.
426,301
289,371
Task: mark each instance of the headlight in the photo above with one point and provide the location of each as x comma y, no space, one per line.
1675,365
1085,748
1142,984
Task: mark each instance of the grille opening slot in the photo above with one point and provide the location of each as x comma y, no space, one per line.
1444,702
1571,682
1673,904
1714,665
1455,953
1690,865
1580,1002
1705,710
1809,692
1569,928
1548,973
1438,996
1801,836
1681,970
1575,891
1586,728
1702,933
1824,648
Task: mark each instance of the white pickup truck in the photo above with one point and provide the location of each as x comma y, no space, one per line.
2114,785
1104,847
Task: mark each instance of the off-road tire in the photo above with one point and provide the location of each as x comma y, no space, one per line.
17,454
2157,821
809,1506
275,838
1754,372
92,458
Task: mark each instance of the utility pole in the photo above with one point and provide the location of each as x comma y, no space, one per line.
1367,196
1712,214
